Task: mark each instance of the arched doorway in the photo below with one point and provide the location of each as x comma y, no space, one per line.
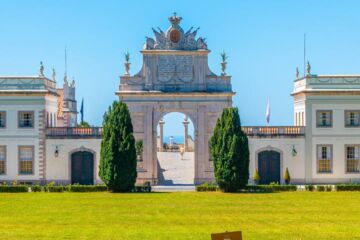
82,168
175,146
269,166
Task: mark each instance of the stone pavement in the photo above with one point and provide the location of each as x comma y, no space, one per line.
175,170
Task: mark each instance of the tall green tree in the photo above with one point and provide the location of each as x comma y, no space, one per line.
118,153
230,152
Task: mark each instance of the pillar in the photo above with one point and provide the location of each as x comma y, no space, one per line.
186,133
161,124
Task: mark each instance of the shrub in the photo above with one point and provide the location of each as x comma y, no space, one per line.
287,176
207,187
270,188
14,189
328,188
55,188
320,188
309,188
348,187
87,188
118,154
142,188
230,152
256,177
36,188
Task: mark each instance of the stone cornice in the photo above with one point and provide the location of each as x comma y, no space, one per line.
173,94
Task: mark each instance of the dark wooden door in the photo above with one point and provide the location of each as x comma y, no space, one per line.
269,167
82,168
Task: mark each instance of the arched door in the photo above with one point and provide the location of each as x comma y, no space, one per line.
269,167
82,168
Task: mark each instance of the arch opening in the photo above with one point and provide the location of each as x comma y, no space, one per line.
175,146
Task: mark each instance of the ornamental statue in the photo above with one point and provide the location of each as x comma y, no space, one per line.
223,64
308,68
127,63
41,70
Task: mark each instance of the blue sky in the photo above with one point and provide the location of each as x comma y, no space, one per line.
264,40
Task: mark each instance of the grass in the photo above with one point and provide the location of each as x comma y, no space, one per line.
289,215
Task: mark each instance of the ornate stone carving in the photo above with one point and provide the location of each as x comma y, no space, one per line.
175,68
175,38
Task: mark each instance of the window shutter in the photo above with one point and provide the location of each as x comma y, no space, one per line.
328,153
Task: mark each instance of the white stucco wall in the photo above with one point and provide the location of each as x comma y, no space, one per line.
58,168
295,164
12,136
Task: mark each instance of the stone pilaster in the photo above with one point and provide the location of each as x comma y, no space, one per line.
42,150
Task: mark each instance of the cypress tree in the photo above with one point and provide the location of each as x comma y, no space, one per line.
118,154
230,152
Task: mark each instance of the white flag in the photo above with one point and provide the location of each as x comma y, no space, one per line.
268,111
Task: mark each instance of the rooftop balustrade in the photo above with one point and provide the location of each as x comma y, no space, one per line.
255,131
74,132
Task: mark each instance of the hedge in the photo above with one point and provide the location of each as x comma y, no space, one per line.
309,188
54,188
141,189
87,188
207,187
347,187
36,188
14,189
270,188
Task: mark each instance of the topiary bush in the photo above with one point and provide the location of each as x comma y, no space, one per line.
256,177
118,154
320,188
36,188
309,188
230,152
287,176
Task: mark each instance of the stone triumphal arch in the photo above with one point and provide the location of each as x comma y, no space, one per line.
175,77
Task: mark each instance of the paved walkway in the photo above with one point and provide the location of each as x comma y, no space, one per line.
175,170
173,188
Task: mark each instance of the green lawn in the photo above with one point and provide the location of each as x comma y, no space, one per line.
296,215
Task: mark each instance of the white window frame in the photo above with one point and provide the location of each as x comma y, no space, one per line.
20,160
32,118
319,158
3,113
319,118
355,158
346,118
4,148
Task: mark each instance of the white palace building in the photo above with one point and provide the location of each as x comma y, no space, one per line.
40,141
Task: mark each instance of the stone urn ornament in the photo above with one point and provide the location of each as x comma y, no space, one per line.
223,64
127,63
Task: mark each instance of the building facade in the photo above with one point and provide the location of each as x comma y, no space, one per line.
41,142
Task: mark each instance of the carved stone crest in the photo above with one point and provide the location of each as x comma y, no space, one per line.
175,38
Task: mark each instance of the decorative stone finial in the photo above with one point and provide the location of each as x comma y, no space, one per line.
175,20
127,63
297,72
224,57
53,75
308,68
41,70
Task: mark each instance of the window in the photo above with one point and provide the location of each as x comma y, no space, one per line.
26,159
2,160
324,158
2,119
26,119
352,159
352,118
324,118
